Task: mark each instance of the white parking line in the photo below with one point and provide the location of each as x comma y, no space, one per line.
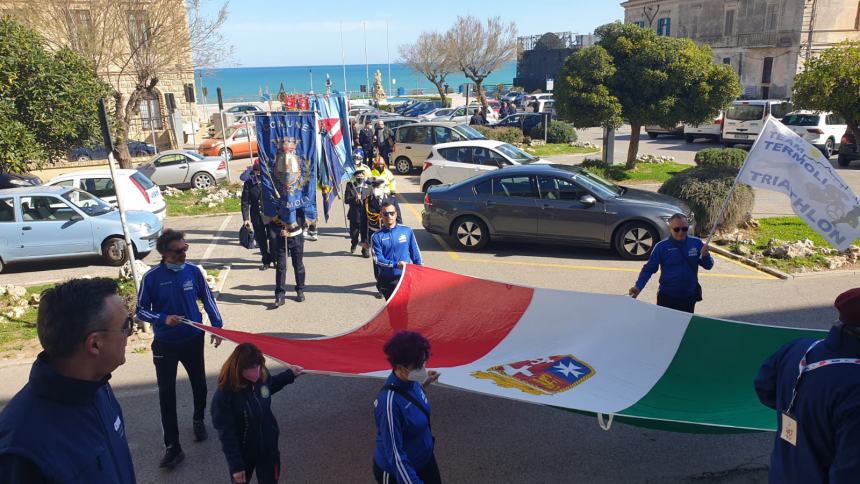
212,244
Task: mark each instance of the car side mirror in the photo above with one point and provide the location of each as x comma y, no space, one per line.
76,218
587,200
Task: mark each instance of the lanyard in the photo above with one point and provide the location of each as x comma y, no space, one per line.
802,368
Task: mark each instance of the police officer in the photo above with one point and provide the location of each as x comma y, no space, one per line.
814,386
679,258
354,198
380,171
252,213
281,242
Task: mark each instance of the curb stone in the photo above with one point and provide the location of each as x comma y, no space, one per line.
766,269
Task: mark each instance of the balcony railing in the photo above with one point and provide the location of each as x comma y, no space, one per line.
778,38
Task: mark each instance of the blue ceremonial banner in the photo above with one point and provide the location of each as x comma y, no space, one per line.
288,162
337,146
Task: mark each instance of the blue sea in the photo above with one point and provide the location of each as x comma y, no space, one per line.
246,83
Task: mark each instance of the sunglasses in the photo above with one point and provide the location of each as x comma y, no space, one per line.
389,214
680,229
179,251
126,328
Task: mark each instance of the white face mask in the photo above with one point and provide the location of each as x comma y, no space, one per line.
419,375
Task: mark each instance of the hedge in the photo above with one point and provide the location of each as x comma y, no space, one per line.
729,157
559,132
704,188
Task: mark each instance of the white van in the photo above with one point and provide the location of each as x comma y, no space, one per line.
745,119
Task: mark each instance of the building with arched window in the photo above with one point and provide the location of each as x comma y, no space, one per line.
767,42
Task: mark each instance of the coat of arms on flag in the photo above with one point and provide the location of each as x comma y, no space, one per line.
542,376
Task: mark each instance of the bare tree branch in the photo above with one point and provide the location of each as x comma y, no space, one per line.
430,57
479,50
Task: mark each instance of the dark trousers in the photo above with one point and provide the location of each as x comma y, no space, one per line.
280,246
429,474
262,239
385,152
166,357
683,303
268,468
356,234
386,288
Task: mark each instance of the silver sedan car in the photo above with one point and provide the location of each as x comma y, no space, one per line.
185,168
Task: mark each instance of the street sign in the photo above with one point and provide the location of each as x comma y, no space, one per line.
549,84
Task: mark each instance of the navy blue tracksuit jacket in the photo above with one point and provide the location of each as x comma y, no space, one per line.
678,263
404,443
391,246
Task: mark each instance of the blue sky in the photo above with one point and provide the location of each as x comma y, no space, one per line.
281,33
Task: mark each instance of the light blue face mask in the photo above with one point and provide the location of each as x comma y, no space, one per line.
175,267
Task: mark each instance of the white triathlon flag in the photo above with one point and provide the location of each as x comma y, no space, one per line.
782,161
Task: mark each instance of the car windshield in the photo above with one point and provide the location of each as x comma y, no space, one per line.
469,132
801,120
91,205
745,112
598,185
516,154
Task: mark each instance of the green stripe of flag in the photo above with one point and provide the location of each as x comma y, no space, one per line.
710,379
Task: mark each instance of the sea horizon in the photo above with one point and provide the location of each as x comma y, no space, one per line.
247,83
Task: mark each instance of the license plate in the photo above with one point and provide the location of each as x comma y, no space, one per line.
742,136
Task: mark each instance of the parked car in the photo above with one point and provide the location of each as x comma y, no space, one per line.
232,113
436,113
820,129
454,162
711,130
745,119
406,105
414,141
848,151
14,180
395,122
421,108
655,130
241,142
372,116
514,97
461,115
549,203
185,168
524,121
139,192
99,152
46,222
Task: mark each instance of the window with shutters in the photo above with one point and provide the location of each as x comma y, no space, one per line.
771,17
138,28
150,112
664,26
80,24
730,23
767,70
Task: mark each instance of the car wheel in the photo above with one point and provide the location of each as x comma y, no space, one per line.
689,139
84,158
226,153
843,161
470,233
2,266
202,180
114,251
635,240
430,183
403,166
828,148
652,135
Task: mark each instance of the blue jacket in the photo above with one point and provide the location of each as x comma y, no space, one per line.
827,411
58,429
404,442
679,266
246,425
391,246
164,292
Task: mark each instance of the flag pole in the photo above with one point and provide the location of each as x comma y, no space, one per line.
388,59
735,184
343,61
366,67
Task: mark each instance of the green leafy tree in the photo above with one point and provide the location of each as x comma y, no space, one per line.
831,82
635,75
47,99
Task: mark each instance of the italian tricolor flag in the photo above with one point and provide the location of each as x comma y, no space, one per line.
592,353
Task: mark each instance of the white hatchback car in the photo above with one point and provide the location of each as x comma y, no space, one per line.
454,162
820,129
139,192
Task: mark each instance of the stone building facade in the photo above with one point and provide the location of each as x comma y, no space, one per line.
175,83
767,42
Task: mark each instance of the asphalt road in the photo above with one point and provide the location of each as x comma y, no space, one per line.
327,429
